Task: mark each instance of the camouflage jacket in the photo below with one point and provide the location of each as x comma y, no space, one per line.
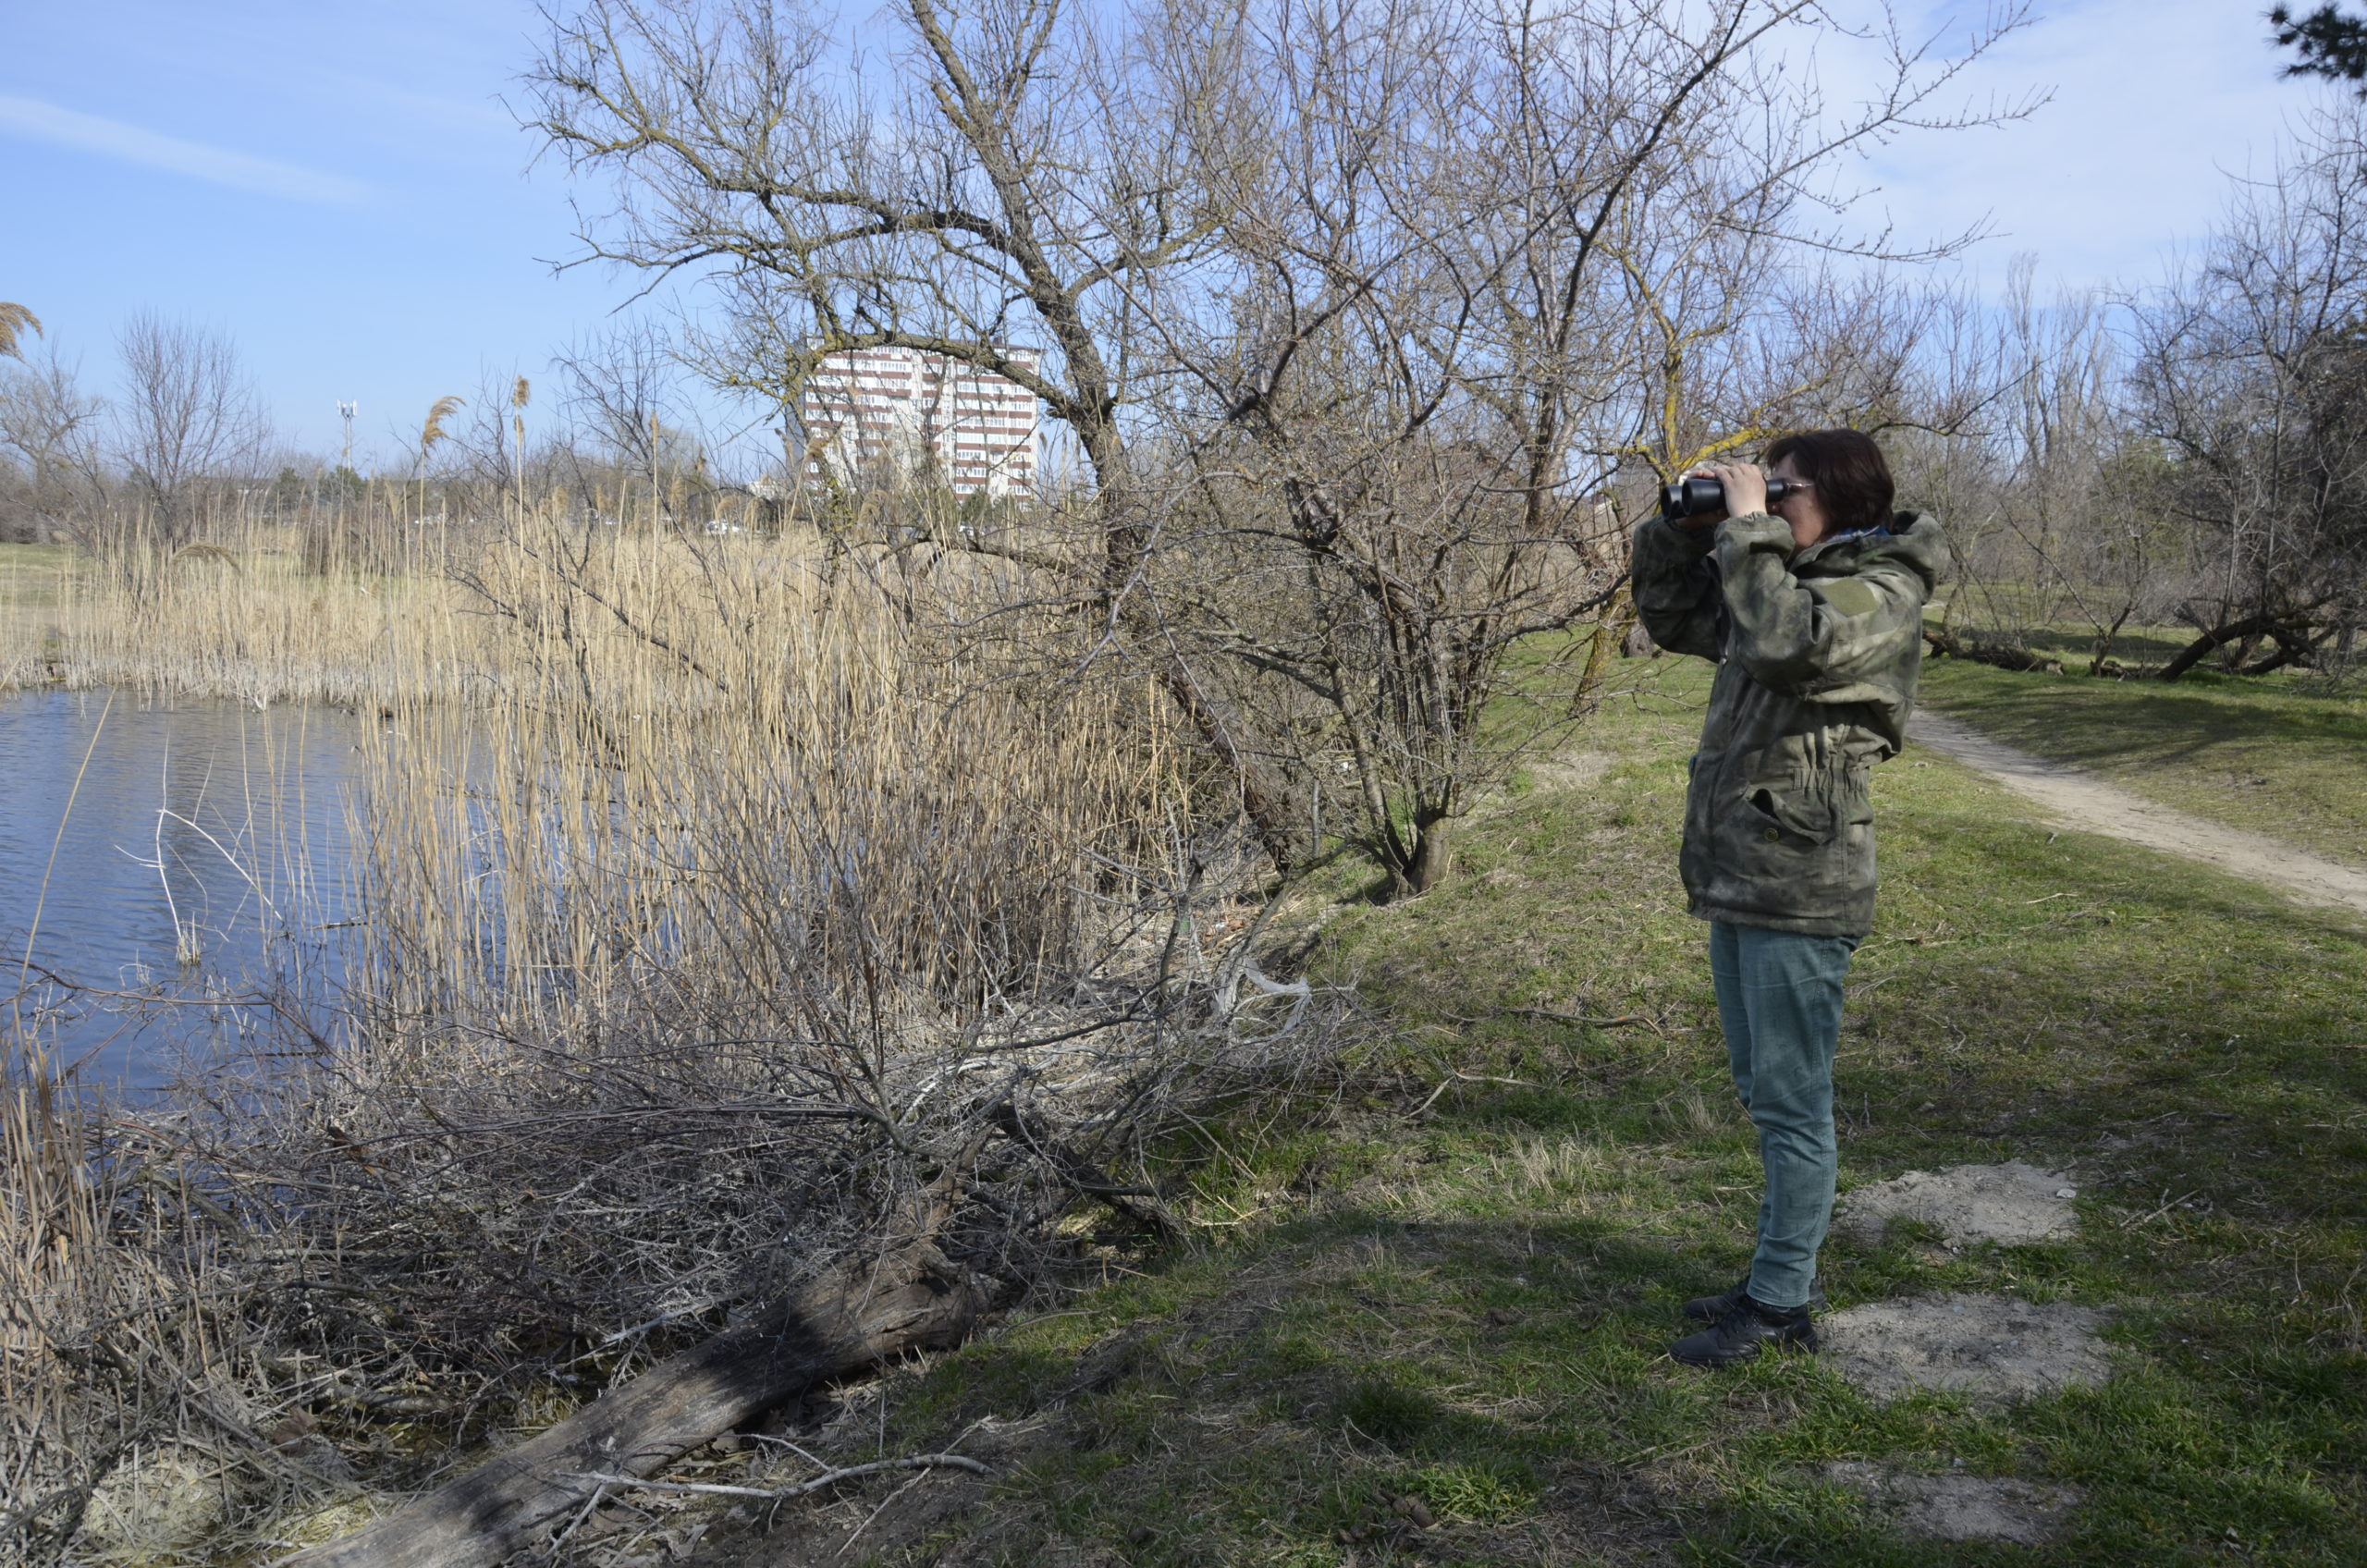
1818,651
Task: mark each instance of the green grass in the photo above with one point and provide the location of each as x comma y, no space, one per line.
2029,613
1469,1306
29,573
2270,756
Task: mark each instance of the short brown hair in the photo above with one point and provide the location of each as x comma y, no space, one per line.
1852,479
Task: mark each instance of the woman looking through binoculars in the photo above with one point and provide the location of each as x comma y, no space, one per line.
1811,605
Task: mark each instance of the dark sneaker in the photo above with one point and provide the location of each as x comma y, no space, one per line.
1709,1309
1746,1329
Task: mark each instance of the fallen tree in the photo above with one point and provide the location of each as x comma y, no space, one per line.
865,1312
965,1188
1027,1152
2294,645
1975,648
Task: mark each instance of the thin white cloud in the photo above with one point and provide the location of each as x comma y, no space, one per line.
47,122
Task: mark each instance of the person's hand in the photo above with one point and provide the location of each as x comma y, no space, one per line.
1746,492
1746,487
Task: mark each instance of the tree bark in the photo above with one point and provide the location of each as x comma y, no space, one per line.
1613,632
862,1313
1433,855
1264,803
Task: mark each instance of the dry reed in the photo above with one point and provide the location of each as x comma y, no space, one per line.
14,320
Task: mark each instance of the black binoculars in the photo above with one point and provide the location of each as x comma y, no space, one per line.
1691,498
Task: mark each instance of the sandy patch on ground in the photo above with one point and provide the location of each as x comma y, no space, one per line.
2084,800
1567,770
1993,1348
1959,1508
2013,1203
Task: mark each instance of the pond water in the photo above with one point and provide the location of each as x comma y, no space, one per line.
158,859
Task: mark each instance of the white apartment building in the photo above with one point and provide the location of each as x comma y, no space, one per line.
899,409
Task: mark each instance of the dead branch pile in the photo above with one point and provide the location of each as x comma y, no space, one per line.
925,1219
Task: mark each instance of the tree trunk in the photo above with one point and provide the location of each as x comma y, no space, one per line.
1264,803
857,1315
1431,859
2194,653
2292,647
1610,635
2102,662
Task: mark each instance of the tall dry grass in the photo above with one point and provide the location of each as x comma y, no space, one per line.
138,1423
239,616
65,1277
719,893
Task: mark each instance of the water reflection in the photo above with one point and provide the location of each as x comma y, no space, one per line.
202,857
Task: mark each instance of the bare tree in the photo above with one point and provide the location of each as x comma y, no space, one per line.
2086,491
2068,525
981,195
1015,176
51,427
624,393
1477,263
1385,283
187,418
2249,372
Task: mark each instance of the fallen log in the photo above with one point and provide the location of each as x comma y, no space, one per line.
1975,648
2293,645
910,1297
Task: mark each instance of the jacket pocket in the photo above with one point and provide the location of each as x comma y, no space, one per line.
1856,804
1780,808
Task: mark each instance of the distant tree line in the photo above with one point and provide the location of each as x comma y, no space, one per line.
179,449
2192,454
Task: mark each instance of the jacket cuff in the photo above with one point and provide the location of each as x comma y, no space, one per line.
1659,540
1753,531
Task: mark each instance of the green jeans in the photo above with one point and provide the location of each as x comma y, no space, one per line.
1779,998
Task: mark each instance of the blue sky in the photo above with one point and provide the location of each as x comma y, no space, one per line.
2155,104
337,185
340,187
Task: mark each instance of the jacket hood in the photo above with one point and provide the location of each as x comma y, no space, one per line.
1914,540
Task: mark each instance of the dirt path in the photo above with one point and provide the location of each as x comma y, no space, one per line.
2084,800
